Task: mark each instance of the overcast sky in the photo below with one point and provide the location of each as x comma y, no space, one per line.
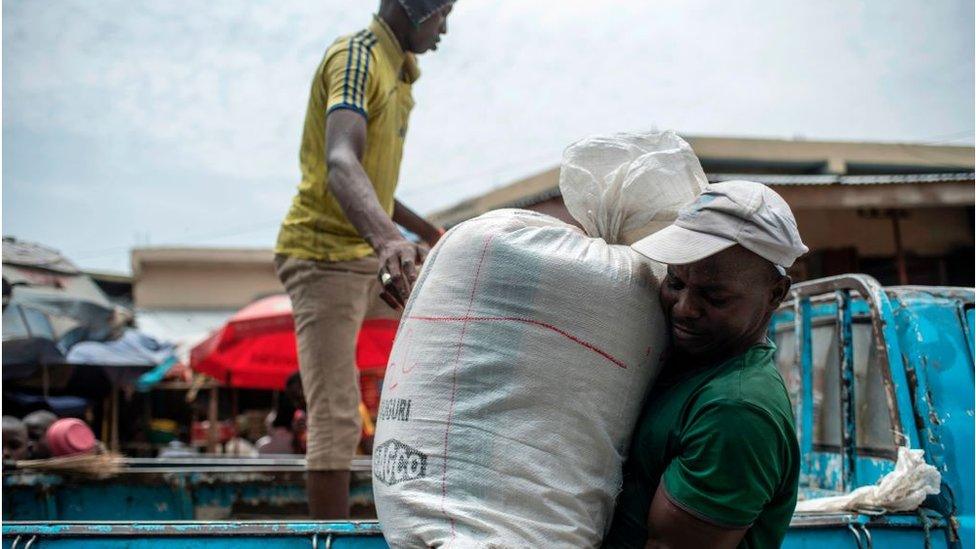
178,122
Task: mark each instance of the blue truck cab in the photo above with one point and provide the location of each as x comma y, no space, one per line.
868,369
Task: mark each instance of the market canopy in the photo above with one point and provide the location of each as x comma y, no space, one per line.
256,348
56,318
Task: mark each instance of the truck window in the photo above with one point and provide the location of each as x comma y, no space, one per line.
875,435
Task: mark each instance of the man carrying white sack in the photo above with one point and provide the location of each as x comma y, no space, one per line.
714,460
524,355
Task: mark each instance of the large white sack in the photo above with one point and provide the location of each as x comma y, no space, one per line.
522,361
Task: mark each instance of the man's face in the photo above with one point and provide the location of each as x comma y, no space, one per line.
426,36
37,425
721,305
14,441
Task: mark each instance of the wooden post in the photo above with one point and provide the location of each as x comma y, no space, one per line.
212,420
899,248
45,381
114,445
106,421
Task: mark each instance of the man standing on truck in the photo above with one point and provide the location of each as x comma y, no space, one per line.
714,460
340,233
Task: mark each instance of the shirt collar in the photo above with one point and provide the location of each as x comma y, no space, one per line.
405,61
758,352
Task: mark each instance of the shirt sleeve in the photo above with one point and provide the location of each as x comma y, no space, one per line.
348,76
730,465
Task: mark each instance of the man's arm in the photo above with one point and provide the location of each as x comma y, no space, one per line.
406,218
733,459
671,527
346,140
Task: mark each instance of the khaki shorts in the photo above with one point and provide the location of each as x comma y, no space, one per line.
329,301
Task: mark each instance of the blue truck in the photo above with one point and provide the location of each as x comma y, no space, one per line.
869,369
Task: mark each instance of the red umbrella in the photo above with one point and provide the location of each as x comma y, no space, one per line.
255,349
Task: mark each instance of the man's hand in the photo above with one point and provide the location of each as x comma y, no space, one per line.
400,262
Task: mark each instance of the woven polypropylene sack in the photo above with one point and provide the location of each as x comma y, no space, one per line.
518,372
508,401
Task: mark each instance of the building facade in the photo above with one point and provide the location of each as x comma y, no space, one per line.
902,213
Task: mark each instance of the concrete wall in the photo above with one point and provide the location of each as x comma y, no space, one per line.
204,287
833,156
764,156
554,207
201,278
187,279
926,231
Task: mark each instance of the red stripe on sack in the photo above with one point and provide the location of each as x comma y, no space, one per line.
567,335
457,358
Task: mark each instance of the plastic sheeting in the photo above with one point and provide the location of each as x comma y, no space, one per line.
623,187
903,489
126,359
134,348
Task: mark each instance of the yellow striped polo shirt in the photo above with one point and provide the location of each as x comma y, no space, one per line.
368,73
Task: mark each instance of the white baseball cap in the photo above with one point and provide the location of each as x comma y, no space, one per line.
725,214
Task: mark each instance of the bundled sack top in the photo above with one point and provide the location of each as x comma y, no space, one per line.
523,358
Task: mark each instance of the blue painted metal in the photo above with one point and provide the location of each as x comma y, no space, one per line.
966,319
180,535
863,531
804,337
845,341
938,349
148,491
924,336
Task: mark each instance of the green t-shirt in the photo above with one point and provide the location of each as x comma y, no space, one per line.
723,441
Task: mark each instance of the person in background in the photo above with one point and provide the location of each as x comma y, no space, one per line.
280,438
37,424
341,234
15,441
295,394
239,445
714,460
297,420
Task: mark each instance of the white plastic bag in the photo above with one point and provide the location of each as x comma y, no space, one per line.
903,489
522,361
624,187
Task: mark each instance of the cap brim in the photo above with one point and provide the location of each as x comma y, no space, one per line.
677,246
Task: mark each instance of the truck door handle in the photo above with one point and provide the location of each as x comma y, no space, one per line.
857,535
864,542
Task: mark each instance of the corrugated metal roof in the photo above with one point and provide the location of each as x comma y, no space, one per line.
888,179
540,193
32,254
